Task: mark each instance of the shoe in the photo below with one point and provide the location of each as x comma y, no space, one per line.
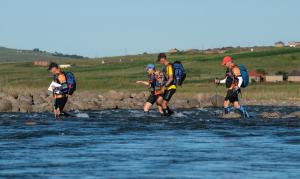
227,110
243,112
169,111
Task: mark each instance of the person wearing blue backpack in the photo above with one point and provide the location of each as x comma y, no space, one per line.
67,87
174,75
236,78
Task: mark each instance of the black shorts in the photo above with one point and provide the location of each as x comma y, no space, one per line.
168,94
232,96
60,103
152,98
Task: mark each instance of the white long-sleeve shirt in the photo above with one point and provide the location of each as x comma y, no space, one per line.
238,76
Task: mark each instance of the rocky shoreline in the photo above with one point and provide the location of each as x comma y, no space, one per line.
41,101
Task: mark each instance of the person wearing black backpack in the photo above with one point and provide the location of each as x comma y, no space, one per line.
235,79
67,87
169,87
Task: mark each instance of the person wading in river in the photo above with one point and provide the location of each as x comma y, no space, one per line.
169,87
236,77
155,84
67,87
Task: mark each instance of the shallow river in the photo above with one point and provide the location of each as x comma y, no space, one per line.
130,144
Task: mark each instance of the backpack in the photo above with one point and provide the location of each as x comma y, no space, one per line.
71,81
245,76
179,73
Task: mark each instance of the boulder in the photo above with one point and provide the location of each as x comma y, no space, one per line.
37,99
14,94
293,115
193,103
140,96
179,103
109,104
5,105
44,94
203,97
114,95
14,102
128,103
270,115
25,99
41,107
25,103
217,101
231,115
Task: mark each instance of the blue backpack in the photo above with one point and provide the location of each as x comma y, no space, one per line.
179,73
71,81
245,76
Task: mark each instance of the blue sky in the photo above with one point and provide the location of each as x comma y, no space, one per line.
117,27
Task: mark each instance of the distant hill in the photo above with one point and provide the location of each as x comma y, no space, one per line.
8,54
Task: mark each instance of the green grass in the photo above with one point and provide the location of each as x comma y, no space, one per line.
202,69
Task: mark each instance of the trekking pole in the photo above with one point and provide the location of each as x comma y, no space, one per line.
216,88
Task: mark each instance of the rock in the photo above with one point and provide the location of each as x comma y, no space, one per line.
203,97
25,108
44,95
293,115
193,103
140,96
109,104
100,97
14,94
25,99
14,102
37,99
25,103
5,105
41,107
179,103
270,115
128,103
217,101
114,95
231,116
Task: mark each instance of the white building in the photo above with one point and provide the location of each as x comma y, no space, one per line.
65,66
294,44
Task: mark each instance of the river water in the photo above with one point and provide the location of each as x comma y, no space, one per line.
129,144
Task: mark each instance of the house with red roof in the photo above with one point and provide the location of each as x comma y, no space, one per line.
256,77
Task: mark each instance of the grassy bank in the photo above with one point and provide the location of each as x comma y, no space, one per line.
202,69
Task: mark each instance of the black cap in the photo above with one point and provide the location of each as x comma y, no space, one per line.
160,56
53,65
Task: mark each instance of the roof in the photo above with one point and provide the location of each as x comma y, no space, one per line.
294,73
254,73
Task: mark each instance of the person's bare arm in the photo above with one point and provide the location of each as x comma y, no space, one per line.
142,82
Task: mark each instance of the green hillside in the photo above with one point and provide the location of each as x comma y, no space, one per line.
7,54
120,73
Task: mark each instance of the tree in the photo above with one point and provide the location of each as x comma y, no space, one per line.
36,50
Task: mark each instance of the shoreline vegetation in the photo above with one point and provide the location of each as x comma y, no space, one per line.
109,83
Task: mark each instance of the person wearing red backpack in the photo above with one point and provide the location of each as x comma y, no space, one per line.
234,81
60,94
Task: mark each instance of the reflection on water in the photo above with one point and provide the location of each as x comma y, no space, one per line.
131,144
